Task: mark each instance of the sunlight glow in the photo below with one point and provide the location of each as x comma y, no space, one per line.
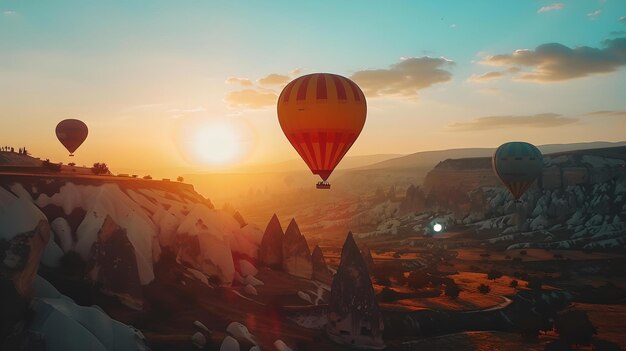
214,141
437,227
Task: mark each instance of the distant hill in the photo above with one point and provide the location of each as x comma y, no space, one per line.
16,159
429,159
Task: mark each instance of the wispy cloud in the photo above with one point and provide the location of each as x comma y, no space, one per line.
607,113
244,82
404,78
485,77
553,7
9,13
595,14
543,120
622,19
555,62
274,79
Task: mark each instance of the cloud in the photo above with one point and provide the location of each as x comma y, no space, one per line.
554,7
9,13
486,76
607,113
618,32
555,62
542,120
274,79
404,78
244,82
595,14
622,19
252,98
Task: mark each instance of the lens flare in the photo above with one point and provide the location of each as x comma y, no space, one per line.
437,227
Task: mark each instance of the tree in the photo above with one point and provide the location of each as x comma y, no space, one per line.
574,327
484,289
147,177
180,179
494,274
71,164
513,284
100,168
452,290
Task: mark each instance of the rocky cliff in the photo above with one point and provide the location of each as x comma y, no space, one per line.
119,229
578,201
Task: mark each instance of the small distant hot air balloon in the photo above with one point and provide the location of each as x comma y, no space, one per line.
322,115
517,164
71,133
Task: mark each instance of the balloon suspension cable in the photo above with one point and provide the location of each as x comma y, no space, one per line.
323,185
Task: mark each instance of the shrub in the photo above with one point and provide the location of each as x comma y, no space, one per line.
494,274
513,284
147,177
452,290
484,289
100,168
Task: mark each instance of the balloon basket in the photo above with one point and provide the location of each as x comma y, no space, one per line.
71,155
323,185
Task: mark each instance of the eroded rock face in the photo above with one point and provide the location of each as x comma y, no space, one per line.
296,253
20,256
320,269
367,257
116,265
271,250
354,317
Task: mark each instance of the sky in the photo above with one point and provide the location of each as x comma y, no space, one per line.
192,85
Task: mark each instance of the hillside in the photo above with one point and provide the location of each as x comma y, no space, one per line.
578,201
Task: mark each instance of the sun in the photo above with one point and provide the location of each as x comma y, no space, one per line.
215,141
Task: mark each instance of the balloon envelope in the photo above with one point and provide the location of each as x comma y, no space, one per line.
322,115
71,133
517,164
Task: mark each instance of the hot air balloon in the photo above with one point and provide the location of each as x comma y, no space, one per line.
322,115
517,164
71,133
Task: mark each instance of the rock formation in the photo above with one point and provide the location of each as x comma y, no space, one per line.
271,250
320,269
367,257
115,265
354,318
296,253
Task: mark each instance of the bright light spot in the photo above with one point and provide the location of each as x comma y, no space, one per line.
437,227
214,141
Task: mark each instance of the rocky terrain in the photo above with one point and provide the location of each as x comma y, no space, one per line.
579,201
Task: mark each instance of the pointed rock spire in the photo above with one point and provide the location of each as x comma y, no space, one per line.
354,317
320,269
271,250
296,253
367,257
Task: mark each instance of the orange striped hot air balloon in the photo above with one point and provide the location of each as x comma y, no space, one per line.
71,133
518,165
322,115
